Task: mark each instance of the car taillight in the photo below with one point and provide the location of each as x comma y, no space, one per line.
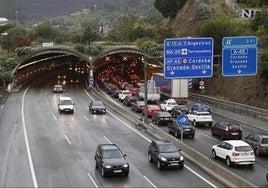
161,118
235,154
252,153
226,128
193,128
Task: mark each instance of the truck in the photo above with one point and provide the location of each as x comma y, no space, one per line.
172,88
153,92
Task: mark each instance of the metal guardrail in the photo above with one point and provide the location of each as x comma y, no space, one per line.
215,170
239,108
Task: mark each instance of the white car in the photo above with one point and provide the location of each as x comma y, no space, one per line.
65,105
200,118
123,94
234,152
168,104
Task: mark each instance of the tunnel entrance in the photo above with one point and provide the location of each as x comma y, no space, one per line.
68,67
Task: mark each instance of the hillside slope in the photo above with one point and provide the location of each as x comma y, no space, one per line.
249,90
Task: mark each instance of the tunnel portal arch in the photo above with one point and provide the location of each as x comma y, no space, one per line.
53,59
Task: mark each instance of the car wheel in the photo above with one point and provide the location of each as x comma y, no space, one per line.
150,157
103,172
214,156
126,174
228,161
159,166
169,130
96,164
181,166
257,152
267,176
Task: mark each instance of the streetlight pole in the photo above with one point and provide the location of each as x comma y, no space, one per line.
145,90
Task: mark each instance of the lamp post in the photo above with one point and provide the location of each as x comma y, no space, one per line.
145,90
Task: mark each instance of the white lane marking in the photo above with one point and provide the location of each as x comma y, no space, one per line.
107,139
68,140
54,117
85,117
91,178
149,181
26,140
201,177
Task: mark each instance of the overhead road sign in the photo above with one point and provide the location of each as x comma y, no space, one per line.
239,56
188,57
239,41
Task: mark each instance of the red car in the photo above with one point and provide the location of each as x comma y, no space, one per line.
152,108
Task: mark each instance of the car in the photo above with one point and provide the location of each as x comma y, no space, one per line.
168,104
179,109
200,107
165,154
110,159
227,130
134,90
115,92
187,129
151,109
65,104
97,107
123,94
258,142
162,118
128,100
137,106
57,88
200,118
234,152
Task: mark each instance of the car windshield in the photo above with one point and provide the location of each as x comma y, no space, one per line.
265,140
243,148
234,126
98,103
167,148
66,102
110,154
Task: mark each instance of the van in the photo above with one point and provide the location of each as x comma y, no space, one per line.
65,105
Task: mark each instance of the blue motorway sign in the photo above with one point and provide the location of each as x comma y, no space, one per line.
182,119
188,57
239,56
239,41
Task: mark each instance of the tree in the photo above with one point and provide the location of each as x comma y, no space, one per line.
169,8
16,37
44,32
88,36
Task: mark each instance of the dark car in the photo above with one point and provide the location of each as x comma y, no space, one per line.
227,130
177,129
110,160
165,154
115,93
97,107
179,109
162,118
137,106
201,107
128,100
258,142
57,88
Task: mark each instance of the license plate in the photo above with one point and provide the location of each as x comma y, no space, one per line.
166,118
234,133
187,129
117,171
244,154
173,164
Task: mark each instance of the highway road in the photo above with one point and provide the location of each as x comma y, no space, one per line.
42,148
203,142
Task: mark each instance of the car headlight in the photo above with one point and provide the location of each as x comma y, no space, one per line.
125,165
107,166
163,158
181,158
